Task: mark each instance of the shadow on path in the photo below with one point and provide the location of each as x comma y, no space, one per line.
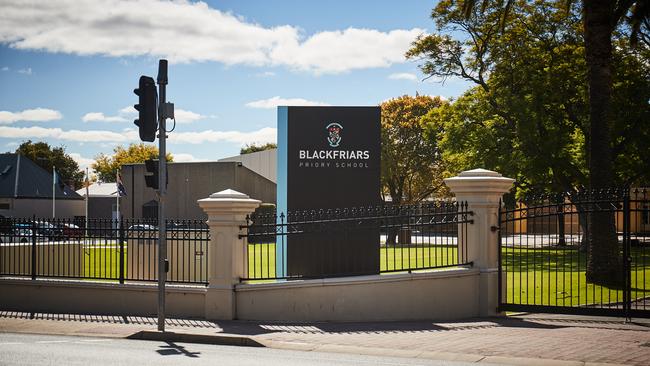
252,328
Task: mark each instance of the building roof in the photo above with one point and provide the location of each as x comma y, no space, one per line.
263,163
99,189
22,178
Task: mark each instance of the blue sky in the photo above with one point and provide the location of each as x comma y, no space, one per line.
68,69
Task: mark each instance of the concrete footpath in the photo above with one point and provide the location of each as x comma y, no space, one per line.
527,339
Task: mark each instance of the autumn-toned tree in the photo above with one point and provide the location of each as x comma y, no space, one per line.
251,148
410,165
106,166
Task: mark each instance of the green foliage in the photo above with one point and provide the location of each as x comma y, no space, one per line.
106,166
528,116
255,148
410,165
47,157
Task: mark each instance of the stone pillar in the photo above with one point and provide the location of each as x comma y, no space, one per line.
482,189
227,259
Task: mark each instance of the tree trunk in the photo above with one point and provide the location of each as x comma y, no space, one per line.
603,263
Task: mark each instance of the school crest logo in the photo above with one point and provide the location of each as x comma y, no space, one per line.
334,134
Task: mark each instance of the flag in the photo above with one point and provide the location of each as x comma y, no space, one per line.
121,191
87,184
59,182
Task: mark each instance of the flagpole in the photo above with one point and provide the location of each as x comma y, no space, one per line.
87,194
53,191
117,188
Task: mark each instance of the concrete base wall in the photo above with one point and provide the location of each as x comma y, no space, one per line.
440,295
73,297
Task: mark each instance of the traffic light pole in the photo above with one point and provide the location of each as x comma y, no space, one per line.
162,190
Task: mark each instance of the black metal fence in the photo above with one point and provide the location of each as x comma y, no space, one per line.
544,253
404,238
120,250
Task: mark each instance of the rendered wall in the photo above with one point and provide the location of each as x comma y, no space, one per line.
73,297
441,295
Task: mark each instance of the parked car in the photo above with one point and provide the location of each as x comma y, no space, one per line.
50,231
19,235
71,231
143,227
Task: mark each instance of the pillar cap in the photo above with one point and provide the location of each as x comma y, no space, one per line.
228,200
230,194
479,172
479,181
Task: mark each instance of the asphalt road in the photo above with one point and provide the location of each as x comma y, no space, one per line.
31,349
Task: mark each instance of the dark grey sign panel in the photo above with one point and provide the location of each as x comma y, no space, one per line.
328,158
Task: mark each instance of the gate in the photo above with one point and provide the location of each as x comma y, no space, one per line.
543,253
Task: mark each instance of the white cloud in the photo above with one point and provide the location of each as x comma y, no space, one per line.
100,117
263,135
5,68
27,71
184,31
128,110
265,74
82,161
128,113
183,116
30,115
277,101
403,76
70,135
260,136
183,157
340,51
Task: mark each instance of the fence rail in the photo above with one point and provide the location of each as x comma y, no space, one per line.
406,238
119,250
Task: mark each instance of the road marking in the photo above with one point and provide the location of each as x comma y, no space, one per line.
10,343
52,341
93,340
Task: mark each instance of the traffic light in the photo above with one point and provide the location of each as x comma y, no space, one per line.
147,107
151,174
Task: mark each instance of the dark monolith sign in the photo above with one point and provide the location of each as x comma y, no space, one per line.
328,158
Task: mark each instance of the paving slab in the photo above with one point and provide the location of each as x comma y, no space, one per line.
524,339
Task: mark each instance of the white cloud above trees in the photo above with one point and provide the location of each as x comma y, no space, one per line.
30,115
276,101
183,32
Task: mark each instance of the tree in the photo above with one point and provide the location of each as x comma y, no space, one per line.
410,166
107,166
532,72
48,157
255,148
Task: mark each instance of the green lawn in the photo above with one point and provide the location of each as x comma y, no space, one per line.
261,258
103,262
556,276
